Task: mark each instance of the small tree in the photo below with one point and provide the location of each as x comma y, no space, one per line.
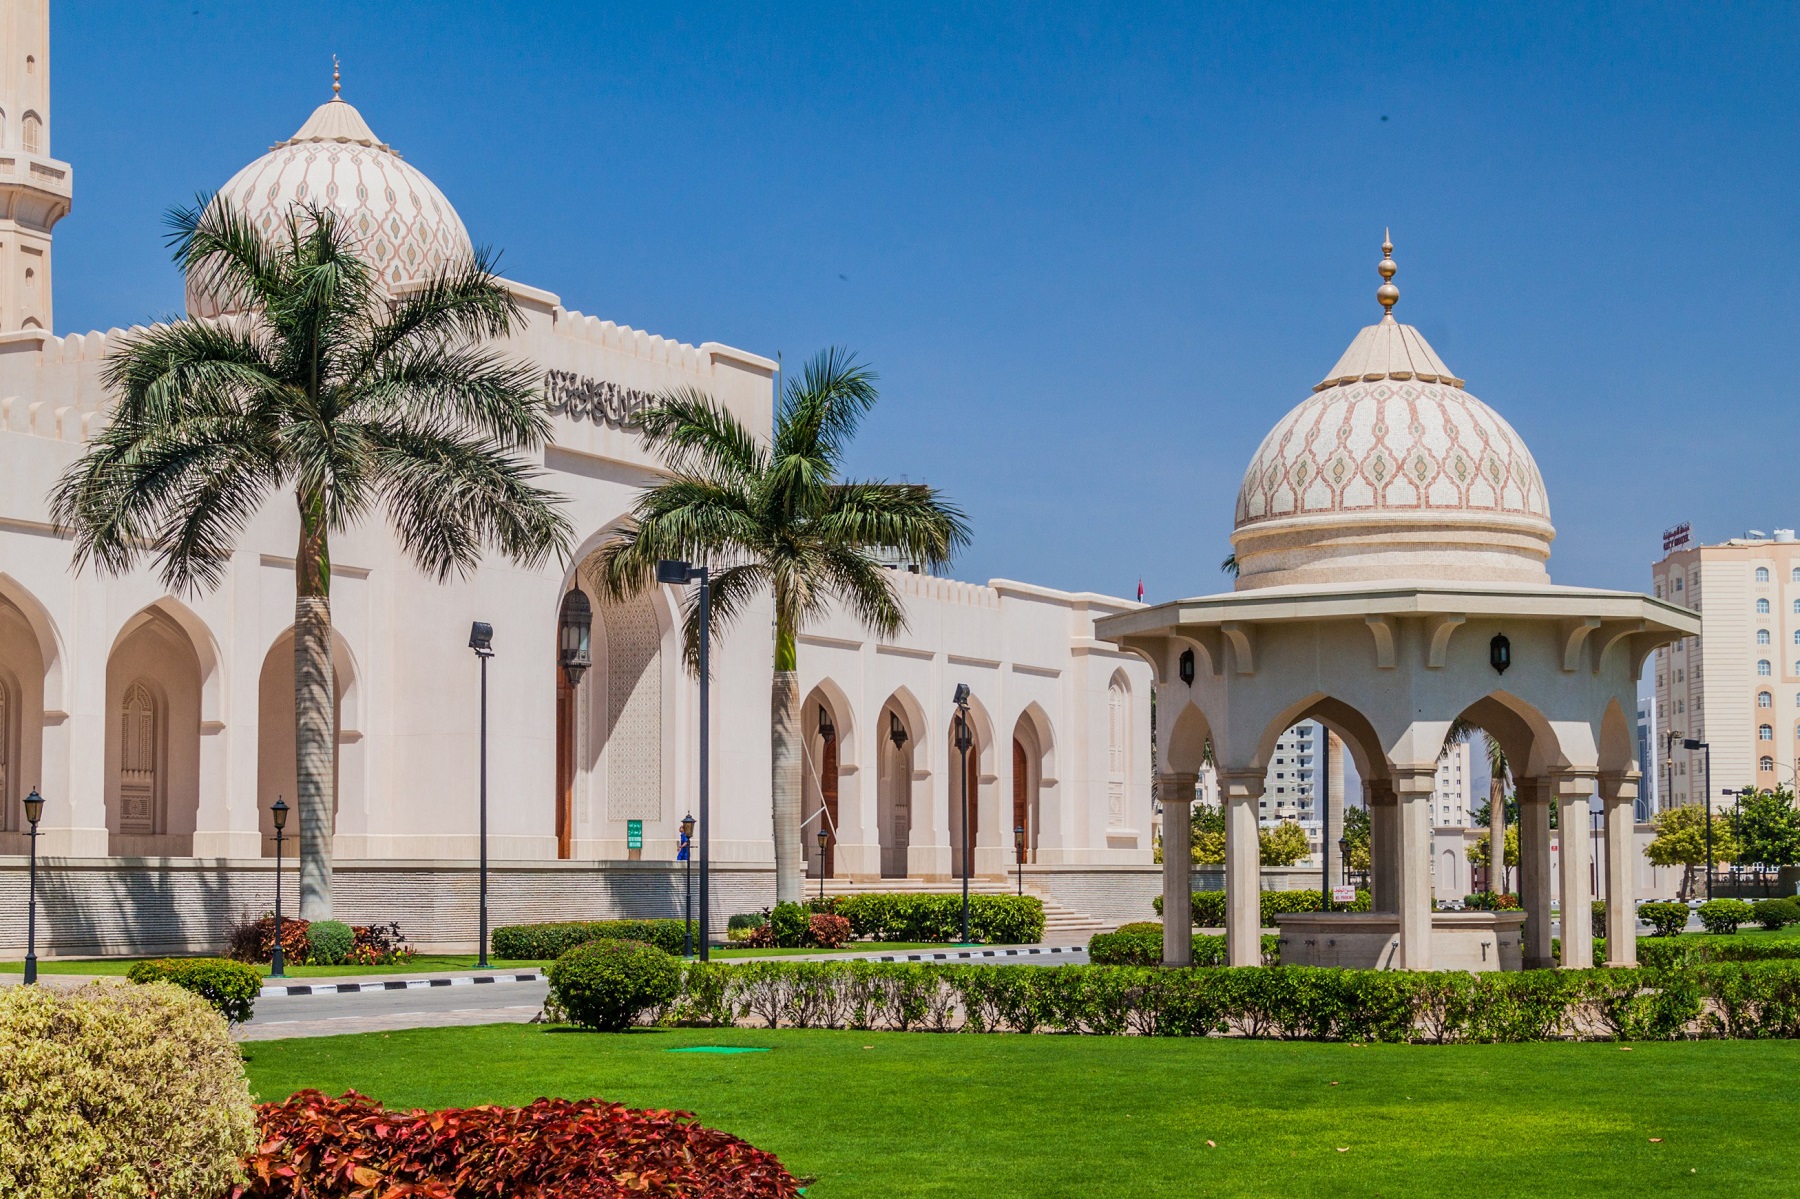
1283,845
1207,844
1480,852
1681,841
1356,833
1768,828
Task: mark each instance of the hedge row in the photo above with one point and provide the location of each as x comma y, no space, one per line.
530,942
231,987
1209,906
993,919
1141,944
1740,1001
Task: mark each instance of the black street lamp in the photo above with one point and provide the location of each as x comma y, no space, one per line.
964,740
278,813
676,573
1691,743
824,840
1019,854
687,889
34,812
481,640
1344,856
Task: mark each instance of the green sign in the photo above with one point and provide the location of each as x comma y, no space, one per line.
634,834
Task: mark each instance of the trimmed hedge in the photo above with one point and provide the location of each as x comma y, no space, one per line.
1209,906
1722,916
329,942
231,987
993,919
1140,944
607,985
529,942
1665,919
1775,913
1736,1000
1699,949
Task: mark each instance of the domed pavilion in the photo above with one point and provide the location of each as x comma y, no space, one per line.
1391,537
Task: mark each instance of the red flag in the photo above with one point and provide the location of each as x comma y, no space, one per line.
1140,591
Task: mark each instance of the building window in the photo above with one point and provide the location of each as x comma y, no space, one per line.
1659,591
1762,636
1678,584
1765,732
1767,763
1762,607
32,133
1764,700
1794,577
1763,668
1762,574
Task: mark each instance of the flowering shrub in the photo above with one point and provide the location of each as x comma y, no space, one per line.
254,940
379,945
352,1148
827,931
1488,901
118,1090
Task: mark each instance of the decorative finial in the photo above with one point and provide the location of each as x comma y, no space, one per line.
336,87
1387,293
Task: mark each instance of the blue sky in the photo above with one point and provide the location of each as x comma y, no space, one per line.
1095,253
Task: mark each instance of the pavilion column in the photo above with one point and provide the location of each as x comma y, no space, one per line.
1243,868
1384,845
1618,798
1412,791
1574,793
1534,869
1334,808
1176,790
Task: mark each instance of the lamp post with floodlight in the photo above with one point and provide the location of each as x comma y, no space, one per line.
669,571
1019,855
278,814
1691,743
824,843
964,740
481,640
687,886
34,812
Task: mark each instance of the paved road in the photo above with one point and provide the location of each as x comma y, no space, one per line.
383,1011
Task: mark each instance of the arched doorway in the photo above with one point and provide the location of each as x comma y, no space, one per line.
21,722
896,750
1033,778
825,725
277,759
153,690
971,773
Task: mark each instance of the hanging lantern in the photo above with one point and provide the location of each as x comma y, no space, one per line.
575,636
1500,653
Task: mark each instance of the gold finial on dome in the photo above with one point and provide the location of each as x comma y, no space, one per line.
1387,293
336,87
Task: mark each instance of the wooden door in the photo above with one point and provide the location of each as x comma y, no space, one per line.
565,766
828,793
1021,795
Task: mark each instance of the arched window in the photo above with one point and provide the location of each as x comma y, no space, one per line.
1762,636
5,740
1762,607
138,728
1764,670
1764,700
1794,577
31,131
1767,763
1762,574
1797,603
1118,726
1765,732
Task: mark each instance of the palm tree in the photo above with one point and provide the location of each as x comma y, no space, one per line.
322,385
778,517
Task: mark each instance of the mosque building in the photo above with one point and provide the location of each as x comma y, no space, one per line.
159,728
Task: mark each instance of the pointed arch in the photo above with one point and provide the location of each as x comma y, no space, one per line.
30,700
1184,748
981,776
163,701
828,753
276,755
1034,783
902,778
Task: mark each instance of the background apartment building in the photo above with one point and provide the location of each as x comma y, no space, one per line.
1737,685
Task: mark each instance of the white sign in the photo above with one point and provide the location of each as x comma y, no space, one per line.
1343,895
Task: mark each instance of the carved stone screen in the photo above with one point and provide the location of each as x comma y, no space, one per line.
634,712
137,761
1117,724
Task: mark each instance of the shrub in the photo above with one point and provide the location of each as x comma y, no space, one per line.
1489,901
539,942
608,984
746,920
254,940
329,942
1775,913
1664,919
231,987
993,919
1597,917
379,945
788,923
1208,907
118,1090
1724,915
827,931
1138,944
572,1149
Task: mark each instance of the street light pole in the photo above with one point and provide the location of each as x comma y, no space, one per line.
681,574
34,811
278,813
824,841
963,742
481,640
687,887
1019,855
1692,743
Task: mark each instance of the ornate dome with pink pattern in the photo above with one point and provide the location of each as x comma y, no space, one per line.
405,226
1391,471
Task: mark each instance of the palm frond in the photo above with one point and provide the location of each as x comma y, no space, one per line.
696,435
909,517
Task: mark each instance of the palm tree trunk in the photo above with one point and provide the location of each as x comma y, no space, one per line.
1497,835
784,744
314,739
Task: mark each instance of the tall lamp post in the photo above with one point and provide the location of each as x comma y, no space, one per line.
1019,855
1344,856
34,812
481,640
964,740
677,573
1691,743
278,812
824,841
687,887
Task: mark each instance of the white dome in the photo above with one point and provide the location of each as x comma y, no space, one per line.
402,222
1391,471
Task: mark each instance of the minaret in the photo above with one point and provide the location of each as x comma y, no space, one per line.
35,189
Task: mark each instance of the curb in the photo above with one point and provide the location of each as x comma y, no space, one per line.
393,984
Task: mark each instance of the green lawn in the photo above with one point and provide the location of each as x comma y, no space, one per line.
991,1117
422,964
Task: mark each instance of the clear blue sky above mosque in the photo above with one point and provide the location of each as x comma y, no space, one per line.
1094,253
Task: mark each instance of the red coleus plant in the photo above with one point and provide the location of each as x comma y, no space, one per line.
316,1147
